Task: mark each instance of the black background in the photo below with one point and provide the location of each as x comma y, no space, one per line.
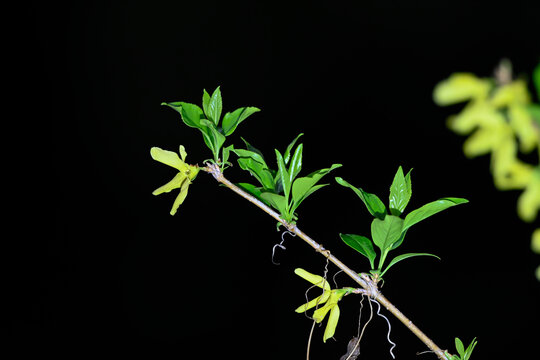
121,277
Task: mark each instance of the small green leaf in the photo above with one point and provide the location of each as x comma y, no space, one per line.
225,153
278,202
232,120
430,209
459,347
214,107
283,175
403,257
386,232
191,114
287,154
305,186
400,192
374,205
205,102
296,163
361,244
214,135
258,170
255,191
470,349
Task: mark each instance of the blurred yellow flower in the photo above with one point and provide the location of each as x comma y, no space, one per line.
182,180
498,122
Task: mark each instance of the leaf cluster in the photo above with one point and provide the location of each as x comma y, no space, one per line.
281,188
208,120
464,354
388,228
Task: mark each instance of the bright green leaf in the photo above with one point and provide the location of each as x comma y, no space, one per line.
283,175
314,188
214,107
255,191
226,151
361,244
232,120
459,347
400,192
386,232
287,154
296,163
258,170
429,209
217,139
374,205
470,349
403,257
191,114
303,186
205,101
278,202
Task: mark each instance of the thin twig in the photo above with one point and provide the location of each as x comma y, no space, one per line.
363,280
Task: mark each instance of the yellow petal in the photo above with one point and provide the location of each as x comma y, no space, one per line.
535,244
183,153
315,302
475,115
320,313
181,197
460,87
514,93
529,200
312,278
168,158
335,296
523,125
332,323
175,183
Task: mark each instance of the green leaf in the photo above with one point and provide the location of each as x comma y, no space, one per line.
214,106
470,349
459,347
278,202
400,192
374,205
226,151
305,186
258,170
386,232
216,138
232,120
403,257
191,114
287,154
283,175
255,191
429,209
205,101
361,244
296,204
296,163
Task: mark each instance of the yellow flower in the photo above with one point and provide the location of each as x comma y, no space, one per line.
461,87
529,200
329,298
182,180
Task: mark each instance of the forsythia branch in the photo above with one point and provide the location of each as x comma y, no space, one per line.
363,280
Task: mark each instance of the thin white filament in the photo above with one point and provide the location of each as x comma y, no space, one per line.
389,328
